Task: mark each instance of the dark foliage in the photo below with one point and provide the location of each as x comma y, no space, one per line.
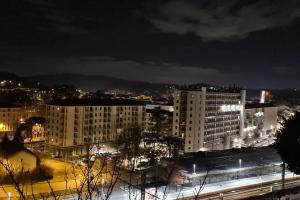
288,143
41,173
9,147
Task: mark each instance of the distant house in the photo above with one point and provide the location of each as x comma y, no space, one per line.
17,156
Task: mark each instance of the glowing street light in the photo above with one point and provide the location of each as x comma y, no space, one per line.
194,168
194,173
2,126
221,195
260,182
102,185
240,169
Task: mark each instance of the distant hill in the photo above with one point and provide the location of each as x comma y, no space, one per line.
98,82
17,79
86,82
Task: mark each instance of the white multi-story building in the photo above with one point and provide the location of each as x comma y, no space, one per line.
71,123
209,118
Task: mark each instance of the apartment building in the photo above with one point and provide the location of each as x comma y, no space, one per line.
71,123
209,118
11,116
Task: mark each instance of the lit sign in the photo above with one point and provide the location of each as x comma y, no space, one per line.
259,114
231,108
250,128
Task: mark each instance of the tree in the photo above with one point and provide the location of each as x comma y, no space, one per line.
174,144
287,144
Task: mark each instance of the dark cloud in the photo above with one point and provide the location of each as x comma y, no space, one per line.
161,72
219,20
155,40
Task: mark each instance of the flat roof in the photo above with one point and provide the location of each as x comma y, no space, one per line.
96,102
9,105
159,111
258,105
211,88
228,159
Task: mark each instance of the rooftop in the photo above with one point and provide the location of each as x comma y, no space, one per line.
258,105
211,88
229,159
159,111
8,105
96,102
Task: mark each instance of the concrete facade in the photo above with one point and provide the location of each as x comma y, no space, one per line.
209,119
68,127
10,119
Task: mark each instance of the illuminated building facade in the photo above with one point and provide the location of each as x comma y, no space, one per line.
10,118
71,123
208,118
37,133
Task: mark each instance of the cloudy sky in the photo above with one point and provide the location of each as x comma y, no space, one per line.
253,43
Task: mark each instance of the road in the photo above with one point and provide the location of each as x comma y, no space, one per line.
234,189
229,190
62,171
239,189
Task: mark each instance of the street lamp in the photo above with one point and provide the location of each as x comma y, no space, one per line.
240,169
221,196
260,182
194,174
102,185
194,167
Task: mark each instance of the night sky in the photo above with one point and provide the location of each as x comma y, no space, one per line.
253,43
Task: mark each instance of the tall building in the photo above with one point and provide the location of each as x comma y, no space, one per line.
265,96
71,123
209,118
11,116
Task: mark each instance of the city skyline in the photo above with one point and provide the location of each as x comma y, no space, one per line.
250,43
149,99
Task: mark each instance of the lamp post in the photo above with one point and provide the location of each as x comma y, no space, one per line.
260,182
221,196
240,169
102,185
194,173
